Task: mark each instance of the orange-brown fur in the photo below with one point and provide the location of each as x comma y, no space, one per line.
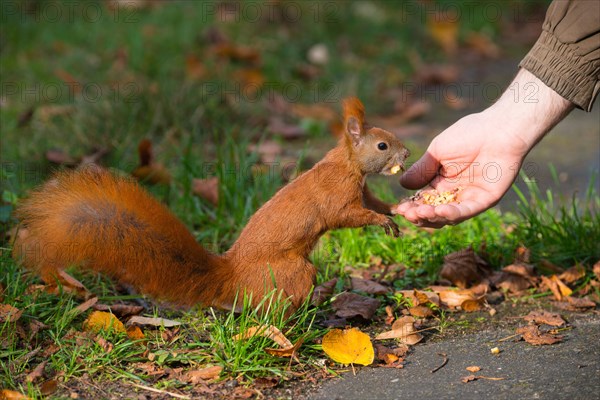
111,225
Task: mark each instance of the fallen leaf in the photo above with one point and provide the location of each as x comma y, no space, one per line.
350,305
6,394
596,269
417,297
121,310
102,321
148,171
289,351
237,53
323,292
49,387
134,332
471,378
573,274
514,278
264,383
350,346
194,69
385,354
454,298
251,80
420,311
204,374
532,335
139,320
71,284
465,268
473,368
576,304
105,344
83,307
473,304
368,286
550,284
38,372
9,313
403,329
564,289
207,189
268,331
544,317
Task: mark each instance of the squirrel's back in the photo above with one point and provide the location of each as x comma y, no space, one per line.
112,225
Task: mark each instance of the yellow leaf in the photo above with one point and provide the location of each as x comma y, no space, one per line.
100,320
135,333
6,394
350,346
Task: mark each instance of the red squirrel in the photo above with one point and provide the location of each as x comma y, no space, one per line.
109,224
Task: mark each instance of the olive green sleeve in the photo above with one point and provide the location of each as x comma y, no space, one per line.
566,57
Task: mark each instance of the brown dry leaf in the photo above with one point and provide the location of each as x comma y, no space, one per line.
99,320
121,310
204,374
514,278
404,330
596,269
134,332
9,313
368,286
444,30
385,354
48,387
105,344
350,305
473,304
287,351
577,304
83,307
194,69
550,284
323,292
483,45
564,289
544,317
207,189
418,298
6,394
420,311
264,383
72,285
38,372
148,171
69,80
251,80
237,53
471,378
454,298
139,320
573,274
350,346
532,335
270,331
465,268
473,368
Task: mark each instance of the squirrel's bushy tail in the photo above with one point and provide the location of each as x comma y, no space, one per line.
109,224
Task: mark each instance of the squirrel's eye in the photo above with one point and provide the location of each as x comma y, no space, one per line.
382,146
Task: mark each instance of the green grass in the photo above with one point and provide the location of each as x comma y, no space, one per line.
198,136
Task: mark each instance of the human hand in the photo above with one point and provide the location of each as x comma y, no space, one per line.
474,154
482,153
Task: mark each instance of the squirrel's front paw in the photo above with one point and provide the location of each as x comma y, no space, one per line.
390,227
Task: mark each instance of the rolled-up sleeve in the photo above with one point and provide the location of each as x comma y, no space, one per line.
566,57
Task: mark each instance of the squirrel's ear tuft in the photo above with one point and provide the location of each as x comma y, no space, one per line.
354,116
